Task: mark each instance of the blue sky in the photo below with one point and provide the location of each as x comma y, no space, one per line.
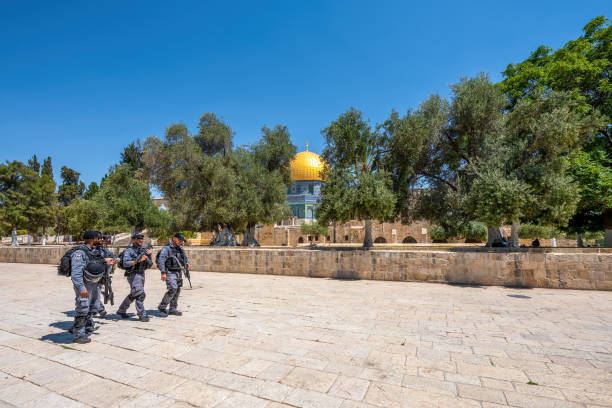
80,80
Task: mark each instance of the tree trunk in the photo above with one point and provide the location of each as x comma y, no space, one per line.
367,238
608,228
29,238
70,239
224,236
14,241
334,224
514,240
44,237
579,242
493,233
249,236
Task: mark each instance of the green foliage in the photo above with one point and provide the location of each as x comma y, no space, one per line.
475,232
209,184
215,136
132,156
530,231
581,71
71,187
315,229
437,233
13,195
357,186
79,216
170,234
123,201
47,168
41,199
91,191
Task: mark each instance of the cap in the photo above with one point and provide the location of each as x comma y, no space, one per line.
91,234
137,236
179,236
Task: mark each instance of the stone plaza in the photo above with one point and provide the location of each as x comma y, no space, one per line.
248,340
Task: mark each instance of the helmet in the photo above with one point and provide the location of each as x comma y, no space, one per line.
94,271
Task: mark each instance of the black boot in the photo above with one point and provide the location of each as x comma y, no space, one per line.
123,315
143,318
175,313
162,312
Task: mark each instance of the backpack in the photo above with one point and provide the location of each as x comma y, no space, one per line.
65,266
120,264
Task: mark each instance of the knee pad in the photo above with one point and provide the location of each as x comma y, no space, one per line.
142,296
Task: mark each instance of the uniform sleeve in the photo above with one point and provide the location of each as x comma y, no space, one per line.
78,260
129,258
163,256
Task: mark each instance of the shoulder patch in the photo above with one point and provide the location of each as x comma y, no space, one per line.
78,255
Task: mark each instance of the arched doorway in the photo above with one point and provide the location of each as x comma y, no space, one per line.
380,240
300,240
409,240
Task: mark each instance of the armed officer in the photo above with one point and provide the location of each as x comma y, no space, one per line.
171,260
107,254
87,268
136,259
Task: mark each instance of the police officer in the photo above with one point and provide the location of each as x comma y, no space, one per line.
136,260
107,254
170,260
87,268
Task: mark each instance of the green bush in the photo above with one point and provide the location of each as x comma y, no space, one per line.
187,234
530,231
438,233
315,229
475,232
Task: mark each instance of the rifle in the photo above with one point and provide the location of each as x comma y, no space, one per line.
107,283
142,251
184,268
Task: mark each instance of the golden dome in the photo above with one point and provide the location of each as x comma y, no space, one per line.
307,166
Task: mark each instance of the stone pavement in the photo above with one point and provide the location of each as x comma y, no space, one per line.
277,341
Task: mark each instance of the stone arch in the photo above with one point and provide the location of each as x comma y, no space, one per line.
409,240
300,240
380,240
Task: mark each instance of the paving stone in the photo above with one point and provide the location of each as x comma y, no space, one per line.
243,401
21,393
462,378
349,388
53,400
430,385
309,379
157,382
312,399
276,341
199,394
481,393
516,399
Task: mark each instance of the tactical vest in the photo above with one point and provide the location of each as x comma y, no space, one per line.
171,264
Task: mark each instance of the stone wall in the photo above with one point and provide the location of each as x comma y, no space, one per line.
545,268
